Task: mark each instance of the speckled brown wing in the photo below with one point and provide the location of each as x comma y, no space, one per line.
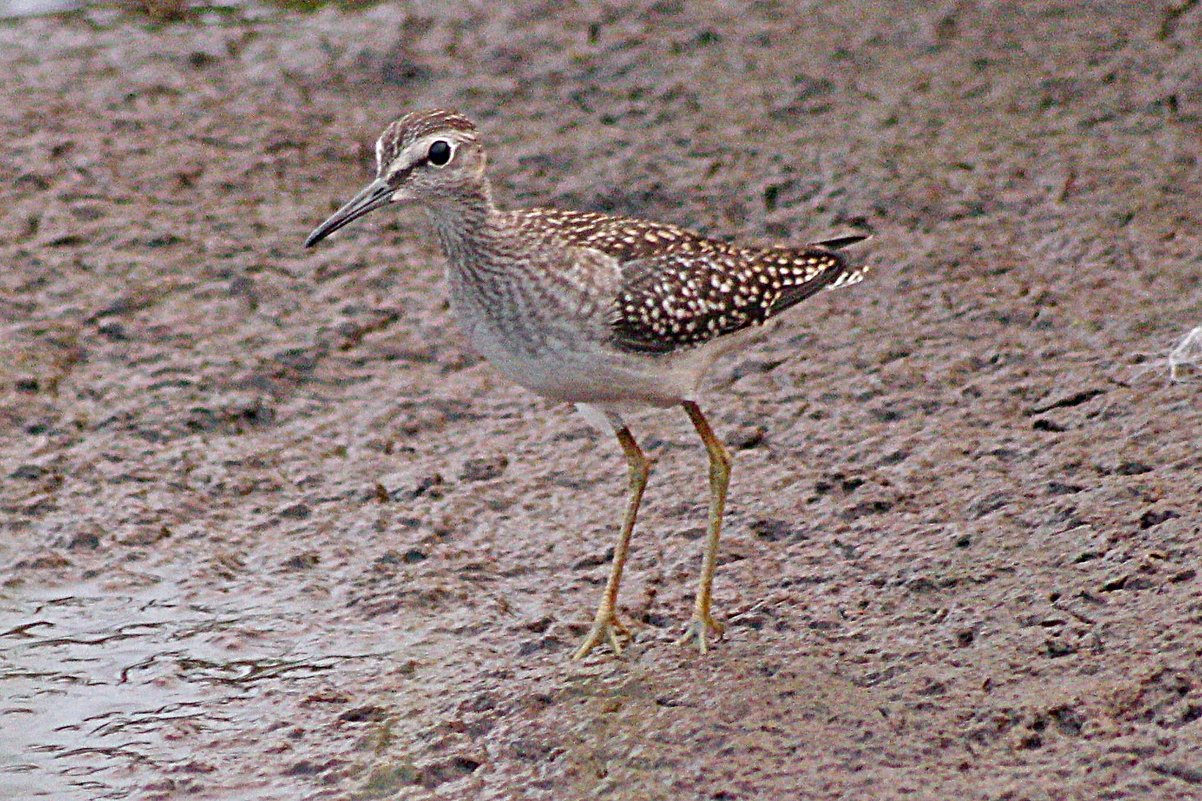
679,289
675,301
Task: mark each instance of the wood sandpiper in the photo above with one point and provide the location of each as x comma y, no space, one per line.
603,312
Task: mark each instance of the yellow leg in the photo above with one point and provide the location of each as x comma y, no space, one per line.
703,622
605,624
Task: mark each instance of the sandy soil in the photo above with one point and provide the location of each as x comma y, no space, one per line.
271,531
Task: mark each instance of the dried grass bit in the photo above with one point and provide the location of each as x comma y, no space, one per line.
1185,360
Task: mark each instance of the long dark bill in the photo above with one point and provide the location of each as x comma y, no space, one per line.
372,197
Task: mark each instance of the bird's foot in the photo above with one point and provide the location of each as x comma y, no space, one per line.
698,630
606,628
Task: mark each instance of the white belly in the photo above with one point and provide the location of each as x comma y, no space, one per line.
584,372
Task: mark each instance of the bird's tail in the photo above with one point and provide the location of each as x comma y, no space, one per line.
840,242
851,276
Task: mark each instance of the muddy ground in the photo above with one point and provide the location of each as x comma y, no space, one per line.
271,530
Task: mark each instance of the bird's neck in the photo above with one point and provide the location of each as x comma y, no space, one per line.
463,226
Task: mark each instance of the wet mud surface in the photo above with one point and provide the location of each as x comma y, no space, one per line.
271,531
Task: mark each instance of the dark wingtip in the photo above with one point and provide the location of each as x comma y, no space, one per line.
840,242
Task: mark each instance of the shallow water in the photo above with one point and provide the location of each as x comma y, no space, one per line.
99,690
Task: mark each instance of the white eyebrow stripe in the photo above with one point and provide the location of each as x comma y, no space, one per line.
418,149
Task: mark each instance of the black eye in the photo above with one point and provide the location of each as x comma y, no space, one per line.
440,153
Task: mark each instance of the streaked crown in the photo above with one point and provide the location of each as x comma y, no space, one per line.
431,154
402,134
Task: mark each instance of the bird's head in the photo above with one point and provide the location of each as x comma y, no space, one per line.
428,156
